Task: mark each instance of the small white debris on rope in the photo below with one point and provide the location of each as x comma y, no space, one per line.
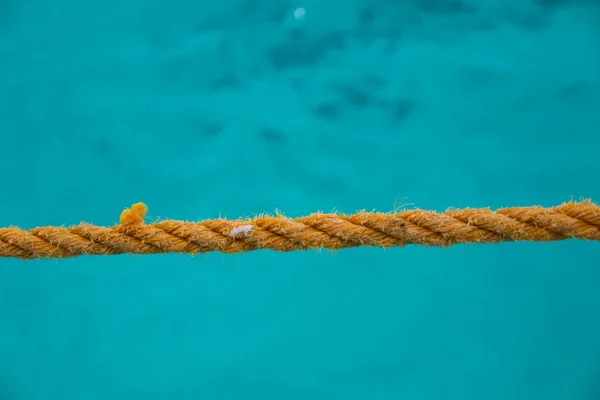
245,229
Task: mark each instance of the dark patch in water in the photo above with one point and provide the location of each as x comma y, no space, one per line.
402,109
574,91
212,130
296,34
226,82
480,76
296,83
304,52
551,3
103,147
328,111
446,7
366,16
6,11
354,96
272,135
374,81
277,14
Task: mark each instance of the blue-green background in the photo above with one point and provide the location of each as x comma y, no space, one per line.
232,108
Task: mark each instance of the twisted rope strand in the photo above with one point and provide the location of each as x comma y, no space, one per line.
580,220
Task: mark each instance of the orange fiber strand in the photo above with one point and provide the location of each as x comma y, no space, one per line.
577,220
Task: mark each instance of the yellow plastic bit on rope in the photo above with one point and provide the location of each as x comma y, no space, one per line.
134,215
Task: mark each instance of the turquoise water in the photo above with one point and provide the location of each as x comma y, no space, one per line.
233,108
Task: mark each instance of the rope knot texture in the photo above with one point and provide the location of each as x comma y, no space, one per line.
576,220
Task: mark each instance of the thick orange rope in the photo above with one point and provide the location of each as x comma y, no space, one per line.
332,231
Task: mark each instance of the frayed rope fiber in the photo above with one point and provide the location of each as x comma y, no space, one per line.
579,220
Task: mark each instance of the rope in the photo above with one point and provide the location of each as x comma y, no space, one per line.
579,220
